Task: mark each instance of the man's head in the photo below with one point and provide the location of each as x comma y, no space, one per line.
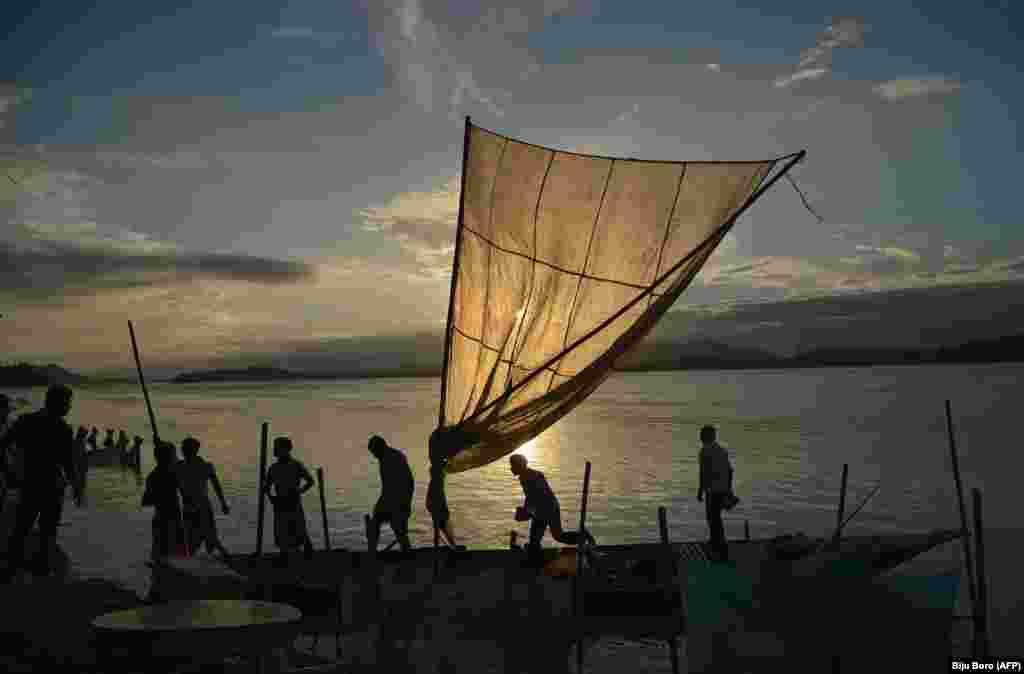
518,463
707,434
164,452
376,445
282,447
58,400
189,447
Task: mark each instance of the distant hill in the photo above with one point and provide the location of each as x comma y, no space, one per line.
999,350
24,374
247,374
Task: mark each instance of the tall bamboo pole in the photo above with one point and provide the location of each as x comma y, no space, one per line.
323,508
152,423
842,504
261,499
965,532
577,580
981,637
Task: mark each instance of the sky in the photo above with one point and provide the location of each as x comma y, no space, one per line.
261,176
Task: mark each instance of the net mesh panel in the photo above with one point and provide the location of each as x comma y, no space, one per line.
565,262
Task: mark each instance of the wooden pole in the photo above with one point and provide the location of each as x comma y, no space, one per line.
746,529
323,507
671,580
142,381
261,499
981,640
437,551
455,274
842,503
152,423
964,530
577,607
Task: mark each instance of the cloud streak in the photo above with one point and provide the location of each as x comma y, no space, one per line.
815,62
900,89
43,261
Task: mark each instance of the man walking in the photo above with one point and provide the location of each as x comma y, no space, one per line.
395,503
47,442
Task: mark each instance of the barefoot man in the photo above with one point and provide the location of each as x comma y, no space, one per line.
395,503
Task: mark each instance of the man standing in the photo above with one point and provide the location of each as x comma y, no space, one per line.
194,473
541,507
5,423
46,440
395,503
716,483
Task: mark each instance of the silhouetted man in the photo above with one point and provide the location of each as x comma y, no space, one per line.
541,508
46,441
395,503
716,483
194,474
5,423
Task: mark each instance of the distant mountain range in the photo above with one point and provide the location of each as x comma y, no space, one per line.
699,355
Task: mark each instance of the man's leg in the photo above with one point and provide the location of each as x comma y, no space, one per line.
25,517
49,518
714,503
400,525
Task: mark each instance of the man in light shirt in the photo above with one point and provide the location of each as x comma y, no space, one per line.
716,482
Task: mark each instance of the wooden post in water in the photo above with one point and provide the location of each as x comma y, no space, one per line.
323,507
981,637
965,532
577,604
842,504
261,500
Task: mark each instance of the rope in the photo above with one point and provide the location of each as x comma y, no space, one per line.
803,198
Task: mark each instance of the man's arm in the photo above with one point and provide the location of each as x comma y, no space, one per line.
67,462
306,477
217,489
703,469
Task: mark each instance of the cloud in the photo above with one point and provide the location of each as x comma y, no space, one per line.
453,57
816,61
43,260
805,74
895,252
323,38
900,89
423,224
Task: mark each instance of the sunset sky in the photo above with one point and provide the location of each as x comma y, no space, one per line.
244,177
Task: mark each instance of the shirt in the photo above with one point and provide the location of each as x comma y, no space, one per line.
162,493
285,477
396,478
540,500
46,445
715,469
193,475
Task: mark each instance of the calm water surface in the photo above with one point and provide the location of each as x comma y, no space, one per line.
788,432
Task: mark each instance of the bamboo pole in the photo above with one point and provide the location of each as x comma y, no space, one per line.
152,422
964,530
577,607
323,507
261,498
671,580
981,636
842,504
437,551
